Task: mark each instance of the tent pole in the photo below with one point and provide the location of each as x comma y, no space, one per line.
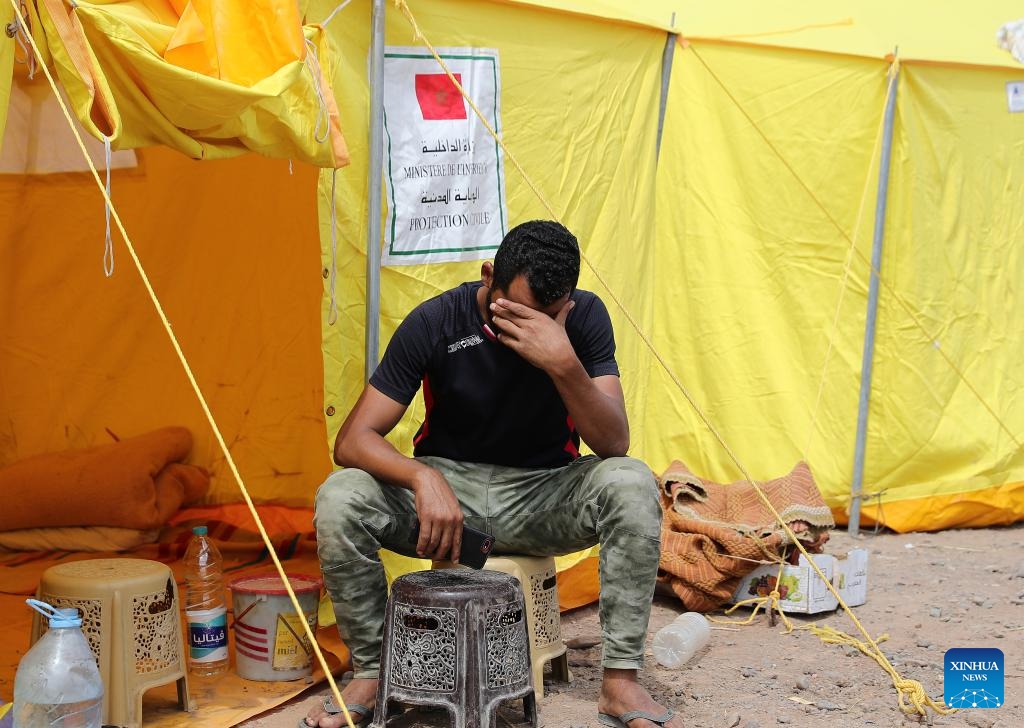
376,162
872,313
666,74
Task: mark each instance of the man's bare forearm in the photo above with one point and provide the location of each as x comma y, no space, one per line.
368,450
599,418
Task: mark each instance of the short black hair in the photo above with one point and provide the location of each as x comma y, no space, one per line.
546,253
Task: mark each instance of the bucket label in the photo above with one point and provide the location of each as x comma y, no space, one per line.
292,650
208,634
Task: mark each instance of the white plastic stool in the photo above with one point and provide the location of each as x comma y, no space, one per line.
130,616
537,576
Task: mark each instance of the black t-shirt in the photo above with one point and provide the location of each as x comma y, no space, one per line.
485,403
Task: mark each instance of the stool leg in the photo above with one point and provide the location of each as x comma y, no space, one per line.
183,697
530,709
560,668
460,720
380,710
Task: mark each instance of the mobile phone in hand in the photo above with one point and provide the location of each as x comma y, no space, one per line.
476,545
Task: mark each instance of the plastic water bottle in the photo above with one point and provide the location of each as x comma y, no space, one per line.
58,684
205,607
677,642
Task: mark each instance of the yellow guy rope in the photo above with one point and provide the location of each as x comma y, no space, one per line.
917,696
188,371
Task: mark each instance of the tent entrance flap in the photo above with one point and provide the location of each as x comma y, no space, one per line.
209,84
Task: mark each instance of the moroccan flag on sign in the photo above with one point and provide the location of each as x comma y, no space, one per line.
438,97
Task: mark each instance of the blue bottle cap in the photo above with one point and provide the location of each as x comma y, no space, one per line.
199,530
64,618
59,618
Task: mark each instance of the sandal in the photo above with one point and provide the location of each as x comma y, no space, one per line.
360,713
623,720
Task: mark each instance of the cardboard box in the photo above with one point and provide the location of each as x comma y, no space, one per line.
802,591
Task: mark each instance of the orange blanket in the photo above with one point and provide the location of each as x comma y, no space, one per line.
136,483
713,534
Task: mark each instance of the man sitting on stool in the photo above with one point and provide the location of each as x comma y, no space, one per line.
515,370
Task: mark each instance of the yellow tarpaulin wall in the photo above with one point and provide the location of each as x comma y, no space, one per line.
768,170
230,247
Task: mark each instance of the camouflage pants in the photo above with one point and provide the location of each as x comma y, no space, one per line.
547,512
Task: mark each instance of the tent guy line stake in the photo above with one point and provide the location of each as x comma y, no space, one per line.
188,372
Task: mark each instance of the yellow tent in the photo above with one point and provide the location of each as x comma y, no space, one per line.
728,253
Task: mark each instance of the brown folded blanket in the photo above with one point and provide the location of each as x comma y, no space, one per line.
713,534
138,483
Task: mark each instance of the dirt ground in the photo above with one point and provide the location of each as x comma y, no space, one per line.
928,591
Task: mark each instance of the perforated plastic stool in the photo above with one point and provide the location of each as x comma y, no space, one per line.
130,616
456,639
537,575
540,588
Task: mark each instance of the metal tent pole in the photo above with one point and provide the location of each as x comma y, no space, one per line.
666,74
869,326
374,198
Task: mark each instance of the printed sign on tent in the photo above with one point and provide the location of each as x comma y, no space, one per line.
443,169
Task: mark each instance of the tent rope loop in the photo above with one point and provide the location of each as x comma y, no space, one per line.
108,244
19,30
322,131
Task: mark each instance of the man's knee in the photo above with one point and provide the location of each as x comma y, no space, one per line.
344,495
630,486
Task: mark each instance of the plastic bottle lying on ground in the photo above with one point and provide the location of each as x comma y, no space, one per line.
676,643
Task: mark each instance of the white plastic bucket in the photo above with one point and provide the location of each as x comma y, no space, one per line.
270,641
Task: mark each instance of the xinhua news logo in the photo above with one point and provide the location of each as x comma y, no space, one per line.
974,677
